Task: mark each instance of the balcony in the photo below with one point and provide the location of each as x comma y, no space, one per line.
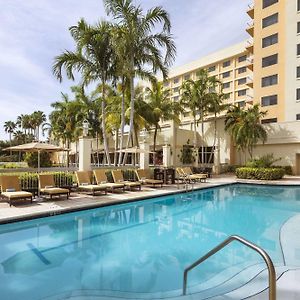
250,63
249,98
250,11
250,28
249,82
250,46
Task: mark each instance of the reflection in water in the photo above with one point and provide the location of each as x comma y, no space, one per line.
145,246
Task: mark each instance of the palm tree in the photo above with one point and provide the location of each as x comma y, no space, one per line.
37,120
216,106
245,127
196,96
9,127
94,58
142,42
161,107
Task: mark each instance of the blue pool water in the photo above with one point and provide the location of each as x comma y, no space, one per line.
142,248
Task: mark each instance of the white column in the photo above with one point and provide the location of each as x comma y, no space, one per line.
167,156
144,157
85,149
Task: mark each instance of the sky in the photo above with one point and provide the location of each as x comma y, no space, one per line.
33,32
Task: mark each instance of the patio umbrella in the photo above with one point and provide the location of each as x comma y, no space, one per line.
37,147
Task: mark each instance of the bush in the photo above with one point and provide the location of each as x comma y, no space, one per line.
231,168
32,160
266,161
260,173
287,169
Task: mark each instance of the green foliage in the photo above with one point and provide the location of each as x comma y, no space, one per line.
260,173
231,168
187,154
32,159
265,161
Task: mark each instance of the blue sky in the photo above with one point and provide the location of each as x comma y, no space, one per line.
33,32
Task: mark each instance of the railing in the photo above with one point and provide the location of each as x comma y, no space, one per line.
260,251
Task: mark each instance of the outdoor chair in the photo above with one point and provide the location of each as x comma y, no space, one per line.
11,189
118,178
144,177
85,184
47,186
101,178
187,171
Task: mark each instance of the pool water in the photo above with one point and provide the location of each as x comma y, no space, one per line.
140,249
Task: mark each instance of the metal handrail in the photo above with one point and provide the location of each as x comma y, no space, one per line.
260,251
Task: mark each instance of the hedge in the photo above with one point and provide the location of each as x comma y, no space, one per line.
260,173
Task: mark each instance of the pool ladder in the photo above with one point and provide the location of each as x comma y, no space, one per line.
260,251
187,183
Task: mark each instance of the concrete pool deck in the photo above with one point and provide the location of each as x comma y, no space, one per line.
287,284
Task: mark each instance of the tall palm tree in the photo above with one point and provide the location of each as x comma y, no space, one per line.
94,58
196,96
161,107
9,127
245,127
142,42
37,120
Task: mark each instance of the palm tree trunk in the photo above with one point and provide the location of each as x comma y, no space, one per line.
103,121
202,133
10,146
154,138
122,120
130,133
215,139
116,147
195,140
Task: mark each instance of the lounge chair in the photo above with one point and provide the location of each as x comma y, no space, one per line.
118,178
11,189
187,171
85,184
47,186
101,178
144,177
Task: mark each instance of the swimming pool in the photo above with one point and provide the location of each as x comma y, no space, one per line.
140,249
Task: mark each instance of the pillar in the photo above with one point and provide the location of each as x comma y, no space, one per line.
144,156
85,150
167,156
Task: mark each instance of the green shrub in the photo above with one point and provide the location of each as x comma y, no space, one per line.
260,173
32,159
287,169
265,161
231,168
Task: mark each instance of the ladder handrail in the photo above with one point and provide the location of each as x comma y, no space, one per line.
260,251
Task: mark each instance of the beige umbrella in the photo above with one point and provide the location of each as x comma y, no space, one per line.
37,147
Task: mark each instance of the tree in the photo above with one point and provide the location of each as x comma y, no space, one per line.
245,127
9,127
94,59
142,43
161,107
196,96
37,120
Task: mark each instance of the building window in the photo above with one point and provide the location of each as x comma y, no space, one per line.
270,20
298,94
242,93
242,58
298,72
267,3
226,85
176,98
298,27
269,100
175,90
269,80
270,60
208,155
298,49
212,69
298,117
242,70
270,40
187,77
298,5
267,121
226,74
166,83
242,81
226,64
241,104
176,80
